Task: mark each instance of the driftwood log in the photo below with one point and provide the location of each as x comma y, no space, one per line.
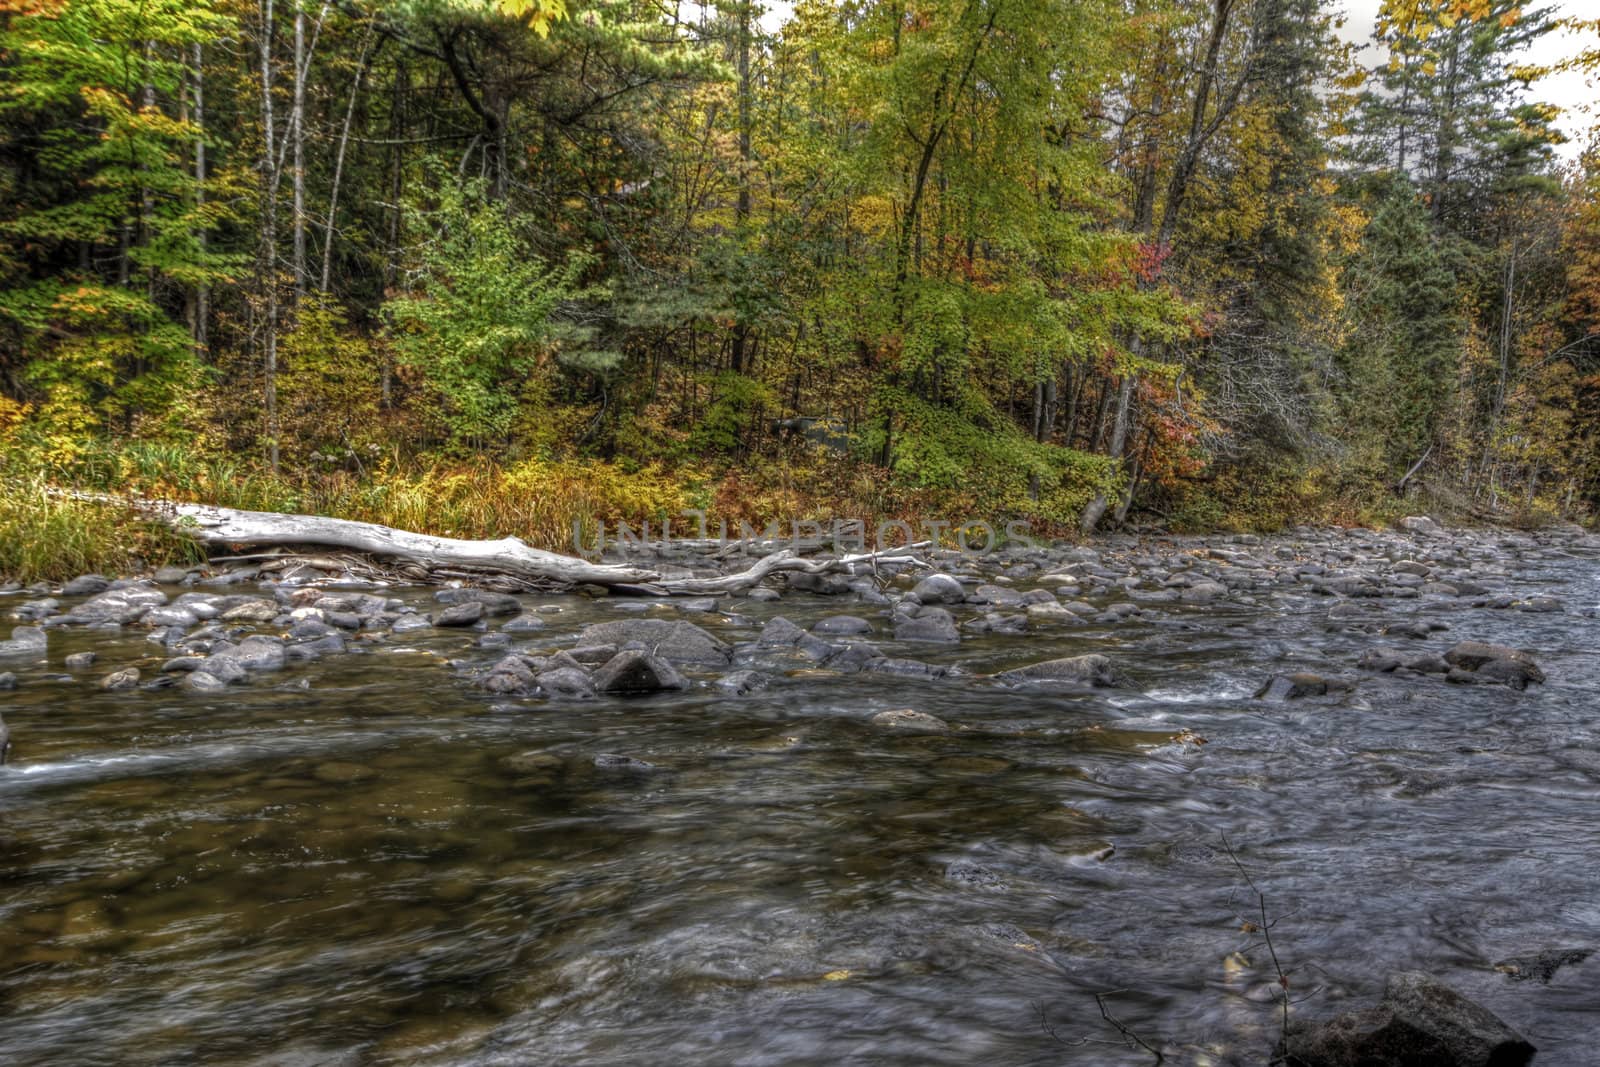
508,556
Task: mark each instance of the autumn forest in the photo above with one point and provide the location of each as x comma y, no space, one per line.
496,266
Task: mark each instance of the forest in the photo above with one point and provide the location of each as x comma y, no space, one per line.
492,267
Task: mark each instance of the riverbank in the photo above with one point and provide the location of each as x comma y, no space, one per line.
1004,774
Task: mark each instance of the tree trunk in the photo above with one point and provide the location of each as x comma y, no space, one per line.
508,556
297,123
269,241
202,292
338,164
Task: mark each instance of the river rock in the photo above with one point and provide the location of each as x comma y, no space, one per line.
1092,669
5,742
1542,966
1495,664
169,615
79,661
998,596
939,589
406,624
853,657
841,626
86,585
821,584
26,641
910,720
613,763
907,668
522,624
973,875
673,640
566,683
1421,1022
8,681
203,681
489,603
124,679
779,632
1422,526
931,625
743,683
637,672
464,614
1295,686
255,609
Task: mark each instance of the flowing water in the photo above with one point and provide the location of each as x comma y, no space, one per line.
363,860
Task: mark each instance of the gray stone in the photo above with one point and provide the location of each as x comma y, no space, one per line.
523,624
940,589
171,575
169,615
79,661
566,683
1421,1022
673,640
697,605
86,585
464,614
842,625
973,875
1495,663
203,681
253,610
821,584
1092,669
637,672
8,681
779,632
406,624
1422,526
26,642
1292,687
931,626
489,604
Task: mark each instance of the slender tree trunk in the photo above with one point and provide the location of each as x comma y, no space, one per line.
202,292
741,328
269,240
338,164
297,126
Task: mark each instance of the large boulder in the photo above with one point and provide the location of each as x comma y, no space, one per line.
637,672
1422,526
673,640
1092,669
1421,1022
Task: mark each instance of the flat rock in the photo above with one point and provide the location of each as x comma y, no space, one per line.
1092,669
1542,966
491,604
86,585
613,763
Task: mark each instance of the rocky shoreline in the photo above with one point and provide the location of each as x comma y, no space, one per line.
211,636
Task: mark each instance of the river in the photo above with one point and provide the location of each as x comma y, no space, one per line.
365,860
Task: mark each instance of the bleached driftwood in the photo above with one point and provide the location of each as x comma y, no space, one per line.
507,556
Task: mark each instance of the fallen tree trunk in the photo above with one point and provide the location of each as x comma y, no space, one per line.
508,556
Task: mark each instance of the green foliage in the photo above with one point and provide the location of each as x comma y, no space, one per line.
739,403
475,323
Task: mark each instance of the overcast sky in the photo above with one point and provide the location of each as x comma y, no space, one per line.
1567,91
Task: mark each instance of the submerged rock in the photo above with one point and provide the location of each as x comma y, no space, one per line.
612,763
931,625
1542,966
1421,1022
1092,669
743,683
124,679
26,641
910,721
1476,661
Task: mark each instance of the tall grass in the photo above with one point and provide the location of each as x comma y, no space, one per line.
45,536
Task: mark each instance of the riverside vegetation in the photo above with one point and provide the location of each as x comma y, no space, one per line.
493,266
